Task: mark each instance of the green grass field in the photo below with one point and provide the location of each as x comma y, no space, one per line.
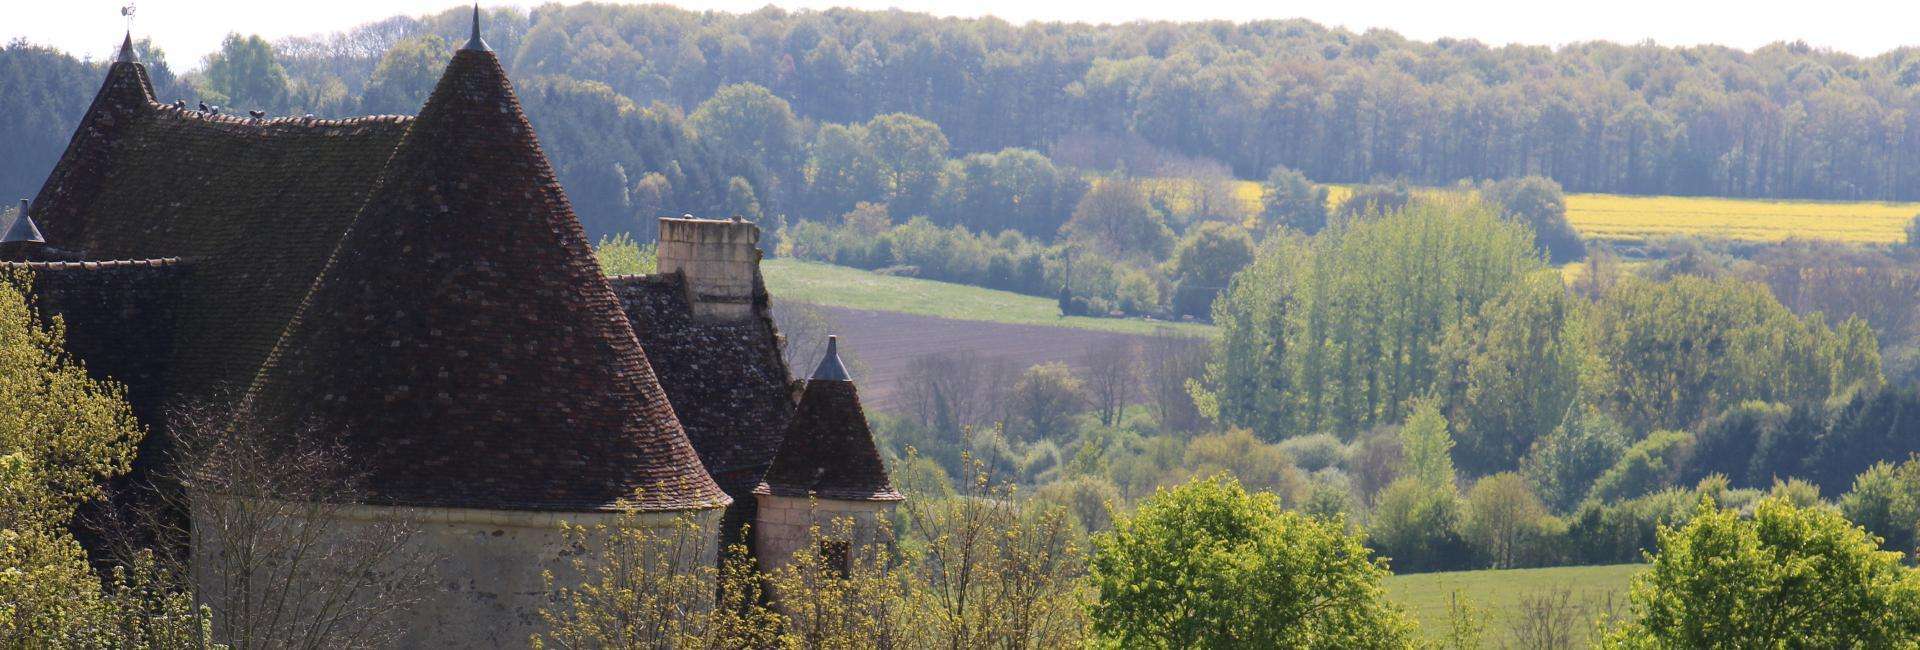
1501,594
839,286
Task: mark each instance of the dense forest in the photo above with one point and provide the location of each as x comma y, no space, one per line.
1144,98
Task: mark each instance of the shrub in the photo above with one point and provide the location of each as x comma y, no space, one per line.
1416,525
1208,565
1315,452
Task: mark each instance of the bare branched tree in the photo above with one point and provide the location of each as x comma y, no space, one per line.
944,389
1548,619
803,334
1113,376
990,570
281,553
1170,362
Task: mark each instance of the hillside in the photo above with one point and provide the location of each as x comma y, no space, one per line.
849,288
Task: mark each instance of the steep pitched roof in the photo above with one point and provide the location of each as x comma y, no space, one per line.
829,451
462,341
726,380
258,204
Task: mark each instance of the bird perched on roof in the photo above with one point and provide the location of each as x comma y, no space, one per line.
179,104
204,109
215,109
257,114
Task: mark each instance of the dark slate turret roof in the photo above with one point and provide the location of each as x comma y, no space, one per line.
474,42
829,451
127,55
257,203
463,342
727,380
23,230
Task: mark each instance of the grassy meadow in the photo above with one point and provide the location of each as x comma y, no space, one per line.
1616,217
839,286
1502,595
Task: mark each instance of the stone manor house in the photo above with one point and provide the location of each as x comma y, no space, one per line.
419,290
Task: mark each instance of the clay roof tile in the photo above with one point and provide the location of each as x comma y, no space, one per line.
467,275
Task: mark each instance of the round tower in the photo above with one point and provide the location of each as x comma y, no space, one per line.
827,471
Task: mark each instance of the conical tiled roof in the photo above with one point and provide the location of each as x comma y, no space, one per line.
829,451
462,342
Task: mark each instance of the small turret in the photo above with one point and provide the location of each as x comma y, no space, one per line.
22,238
828,470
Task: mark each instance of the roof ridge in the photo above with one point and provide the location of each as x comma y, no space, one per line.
94,265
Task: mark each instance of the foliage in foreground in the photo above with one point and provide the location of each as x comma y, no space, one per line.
1786,577
1209,565
61,435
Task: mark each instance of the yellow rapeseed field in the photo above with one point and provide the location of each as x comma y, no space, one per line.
1612,216
1620,217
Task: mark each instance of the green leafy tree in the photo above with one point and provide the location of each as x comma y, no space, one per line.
1787,577
61,435
1045,400
1417,525
1206,564
1510,374
1374,199
1289,200
912,152
620,255
1885,500
1427,447
842,170
742,201
1672,354
1205,262
1539,202
1116,219
244,74
1340,333
1012,189
1563,465
1648,466
1505,521
405,75
747,122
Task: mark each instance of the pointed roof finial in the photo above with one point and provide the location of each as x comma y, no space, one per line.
475,43
126,50
23,230
830,367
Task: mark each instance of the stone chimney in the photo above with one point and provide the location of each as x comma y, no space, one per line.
719,258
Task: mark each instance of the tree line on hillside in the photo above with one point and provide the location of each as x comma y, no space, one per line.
1144,99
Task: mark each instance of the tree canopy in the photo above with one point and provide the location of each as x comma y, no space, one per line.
1206,564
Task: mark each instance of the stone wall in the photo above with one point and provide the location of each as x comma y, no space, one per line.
483,566
784,524
719,259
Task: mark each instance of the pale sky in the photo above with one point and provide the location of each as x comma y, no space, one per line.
189,29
